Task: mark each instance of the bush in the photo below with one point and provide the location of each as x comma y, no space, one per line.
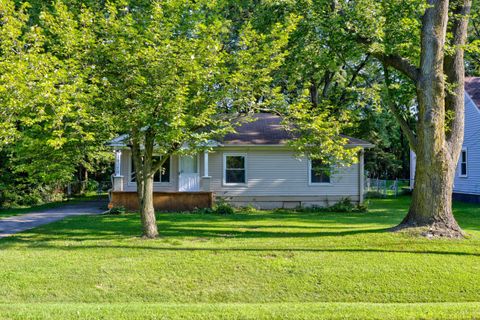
344,205
224,209
92,185
249,208
21,195
203,211
117,210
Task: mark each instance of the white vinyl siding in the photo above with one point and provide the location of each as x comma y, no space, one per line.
470,184
278,172
269,172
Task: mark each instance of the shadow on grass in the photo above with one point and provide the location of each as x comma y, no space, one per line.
48,245
256,225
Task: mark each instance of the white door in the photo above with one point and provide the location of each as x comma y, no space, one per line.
189,178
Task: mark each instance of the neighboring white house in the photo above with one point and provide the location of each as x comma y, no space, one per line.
254,166
467,176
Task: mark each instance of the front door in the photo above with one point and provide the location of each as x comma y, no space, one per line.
189,178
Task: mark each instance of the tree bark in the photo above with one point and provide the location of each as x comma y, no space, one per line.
147,211
431,205
437,157
144,177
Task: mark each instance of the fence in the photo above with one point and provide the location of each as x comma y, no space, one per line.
379,188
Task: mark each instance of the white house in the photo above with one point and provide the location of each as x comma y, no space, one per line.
467,176
254,166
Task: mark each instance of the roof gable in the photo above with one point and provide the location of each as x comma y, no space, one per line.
472,88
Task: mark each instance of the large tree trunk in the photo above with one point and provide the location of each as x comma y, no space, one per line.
431,205
437,153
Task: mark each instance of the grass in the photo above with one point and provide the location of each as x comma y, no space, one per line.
9,212
252,265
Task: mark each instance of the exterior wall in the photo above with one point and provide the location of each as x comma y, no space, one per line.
471,183
275,178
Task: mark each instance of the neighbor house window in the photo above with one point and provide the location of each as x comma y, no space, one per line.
235,165
319,172
463,163
162,175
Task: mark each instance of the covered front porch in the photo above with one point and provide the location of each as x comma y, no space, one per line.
182,184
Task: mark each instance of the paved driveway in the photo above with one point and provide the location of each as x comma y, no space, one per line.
22,222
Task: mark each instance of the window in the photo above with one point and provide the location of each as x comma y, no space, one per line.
162,175
319,172
234,165
463,163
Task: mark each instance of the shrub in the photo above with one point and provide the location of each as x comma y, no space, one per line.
92,185
249,208
203,211
117,210
344,205
224,209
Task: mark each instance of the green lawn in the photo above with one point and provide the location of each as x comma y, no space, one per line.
255,265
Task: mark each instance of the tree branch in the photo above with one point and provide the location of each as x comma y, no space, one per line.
399,63
392,60
454,69
356,72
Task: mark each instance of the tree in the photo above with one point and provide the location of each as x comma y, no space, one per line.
419,42
472,51
174,78
435,65
48,121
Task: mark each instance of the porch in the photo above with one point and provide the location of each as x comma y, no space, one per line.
183,183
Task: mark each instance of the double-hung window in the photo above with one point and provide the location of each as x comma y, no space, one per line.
463,163
319,172
234,168
161,176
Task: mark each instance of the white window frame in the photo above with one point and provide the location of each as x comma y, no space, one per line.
310,183
234,154
155,183
466,164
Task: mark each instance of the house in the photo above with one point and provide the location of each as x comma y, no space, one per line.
466,185
254,166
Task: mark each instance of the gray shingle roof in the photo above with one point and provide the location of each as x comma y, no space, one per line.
472,87
266,129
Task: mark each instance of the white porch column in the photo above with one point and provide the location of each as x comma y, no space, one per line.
361,168
205,163
205,180
117,180
118,162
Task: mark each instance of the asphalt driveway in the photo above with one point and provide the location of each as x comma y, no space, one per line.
22,222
